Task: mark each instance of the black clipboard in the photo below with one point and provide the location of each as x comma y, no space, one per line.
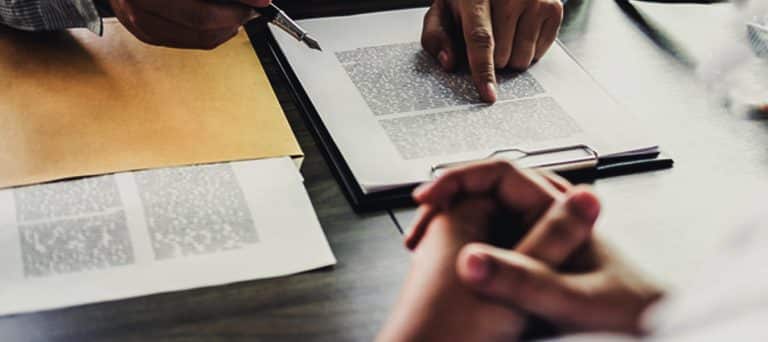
401,197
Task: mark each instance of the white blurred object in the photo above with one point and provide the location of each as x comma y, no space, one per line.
738,71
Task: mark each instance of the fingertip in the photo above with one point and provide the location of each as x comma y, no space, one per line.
478,268
488,92
437,193
584,204
408,243
475,266
446,62
421,191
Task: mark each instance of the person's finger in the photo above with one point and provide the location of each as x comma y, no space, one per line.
436,35
526,36
505,16
563,229
521,282
423,218
549,28
518,190
199,14
609,298
474,214
477,29
560,183
156,30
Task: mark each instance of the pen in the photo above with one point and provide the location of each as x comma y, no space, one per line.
619,166
277,17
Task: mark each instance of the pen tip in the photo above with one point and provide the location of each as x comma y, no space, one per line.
312,43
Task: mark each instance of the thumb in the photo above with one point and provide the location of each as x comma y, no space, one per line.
520,282
436,37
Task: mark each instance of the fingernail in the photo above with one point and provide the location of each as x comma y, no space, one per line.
490,92
442,57
479,267
584,205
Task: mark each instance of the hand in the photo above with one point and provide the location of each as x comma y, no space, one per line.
191,24
602,295
433,298
433,304
527,192
528,278
497,34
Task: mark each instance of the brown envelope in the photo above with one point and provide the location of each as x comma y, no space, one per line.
74,104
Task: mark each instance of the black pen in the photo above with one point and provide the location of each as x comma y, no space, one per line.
619,166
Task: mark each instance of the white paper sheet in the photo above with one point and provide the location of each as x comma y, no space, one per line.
137,233
394,114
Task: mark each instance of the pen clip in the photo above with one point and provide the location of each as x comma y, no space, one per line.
574,157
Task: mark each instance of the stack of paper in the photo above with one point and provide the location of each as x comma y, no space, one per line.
131,234
75,104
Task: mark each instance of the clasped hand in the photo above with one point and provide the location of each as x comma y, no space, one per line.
556,271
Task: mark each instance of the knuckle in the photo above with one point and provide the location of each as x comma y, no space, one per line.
509,12
550,9
502,166
482,38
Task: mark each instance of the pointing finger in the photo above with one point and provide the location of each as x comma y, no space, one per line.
478,35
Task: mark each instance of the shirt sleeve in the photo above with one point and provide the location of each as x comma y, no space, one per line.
50,15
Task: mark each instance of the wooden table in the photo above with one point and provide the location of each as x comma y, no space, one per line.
664,221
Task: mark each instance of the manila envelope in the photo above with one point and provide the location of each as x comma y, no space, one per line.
75,104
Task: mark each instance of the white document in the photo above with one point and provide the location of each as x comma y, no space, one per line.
394,114
137,233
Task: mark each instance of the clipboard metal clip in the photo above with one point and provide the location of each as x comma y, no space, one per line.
567,158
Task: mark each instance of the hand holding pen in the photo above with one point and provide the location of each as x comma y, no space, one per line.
196,24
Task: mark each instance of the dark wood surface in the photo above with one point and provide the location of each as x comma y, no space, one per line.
664,221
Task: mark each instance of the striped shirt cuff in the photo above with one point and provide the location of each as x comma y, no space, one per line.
50,15
60,14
